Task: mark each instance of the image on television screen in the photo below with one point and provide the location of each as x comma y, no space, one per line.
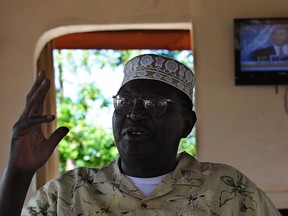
262,49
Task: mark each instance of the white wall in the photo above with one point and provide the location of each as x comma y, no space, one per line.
242,126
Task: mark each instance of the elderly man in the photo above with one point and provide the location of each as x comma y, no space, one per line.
153,111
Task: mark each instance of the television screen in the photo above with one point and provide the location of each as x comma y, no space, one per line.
261,51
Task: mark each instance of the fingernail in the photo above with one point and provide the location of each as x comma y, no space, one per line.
50,117
40,73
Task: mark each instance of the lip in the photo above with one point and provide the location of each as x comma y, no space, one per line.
135,134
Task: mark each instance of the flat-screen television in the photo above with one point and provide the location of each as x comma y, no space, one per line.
261,51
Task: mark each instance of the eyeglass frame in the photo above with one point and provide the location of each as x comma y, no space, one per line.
144,100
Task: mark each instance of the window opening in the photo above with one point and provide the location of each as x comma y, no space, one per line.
85,81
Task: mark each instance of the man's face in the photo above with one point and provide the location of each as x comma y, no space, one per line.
149,141
279,36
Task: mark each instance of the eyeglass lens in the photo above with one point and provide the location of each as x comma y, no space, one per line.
154,105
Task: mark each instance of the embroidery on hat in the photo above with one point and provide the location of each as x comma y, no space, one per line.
171,66
155,67
159,61
146,60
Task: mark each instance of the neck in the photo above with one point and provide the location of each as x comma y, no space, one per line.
135,170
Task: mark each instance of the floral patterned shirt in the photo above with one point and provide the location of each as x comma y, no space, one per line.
193,188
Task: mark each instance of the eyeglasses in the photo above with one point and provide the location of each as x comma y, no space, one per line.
154,105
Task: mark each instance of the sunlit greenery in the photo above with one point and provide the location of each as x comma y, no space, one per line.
89,143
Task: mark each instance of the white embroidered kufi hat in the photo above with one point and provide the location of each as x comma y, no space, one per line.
160,68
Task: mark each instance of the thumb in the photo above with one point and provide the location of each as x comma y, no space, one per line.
57,136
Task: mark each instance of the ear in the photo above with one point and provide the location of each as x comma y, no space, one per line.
189,122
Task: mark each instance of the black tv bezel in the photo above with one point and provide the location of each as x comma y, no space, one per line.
273,77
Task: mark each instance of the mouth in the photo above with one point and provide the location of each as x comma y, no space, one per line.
135,134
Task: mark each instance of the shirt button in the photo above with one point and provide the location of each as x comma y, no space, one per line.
143,205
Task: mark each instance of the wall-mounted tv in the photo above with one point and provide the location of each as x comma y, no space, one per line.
261,51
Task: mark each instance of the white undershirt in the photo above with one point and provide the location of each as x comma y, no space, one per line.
146,185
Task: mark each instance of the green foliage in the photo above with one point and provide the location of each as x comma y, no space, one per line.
86,144
188,144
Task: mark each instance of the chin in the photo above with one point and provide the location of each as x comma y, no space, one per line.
135,156
139,159
141,162
137,151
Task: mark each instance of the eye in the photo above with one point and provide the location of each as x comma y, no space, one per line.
156,106
149,103
123,105
156,101
123,101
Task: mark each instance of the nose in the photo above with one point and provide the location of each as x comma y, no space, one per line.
138,112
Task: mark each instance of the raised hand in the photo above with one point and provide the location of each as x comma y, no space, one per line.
30,149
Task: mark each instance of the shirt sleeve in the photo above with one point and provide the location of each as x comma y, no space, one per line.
238,195
266,207
43,203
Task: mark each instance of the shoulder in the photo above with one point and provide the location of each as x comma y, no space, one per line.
84,174
264,51
62,191
209,168
232,187
214,175
78,176
74,175
226,176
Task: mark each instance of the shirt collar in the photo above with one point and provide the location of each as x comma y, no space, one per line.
187,171
284,49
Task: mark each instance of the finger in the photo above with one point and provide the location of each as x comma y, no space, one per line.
23,126
40,77
39,109
34,90
35,103
37,100
57,136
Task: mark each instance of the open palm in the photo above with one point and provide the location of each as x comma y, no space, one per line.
30,149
